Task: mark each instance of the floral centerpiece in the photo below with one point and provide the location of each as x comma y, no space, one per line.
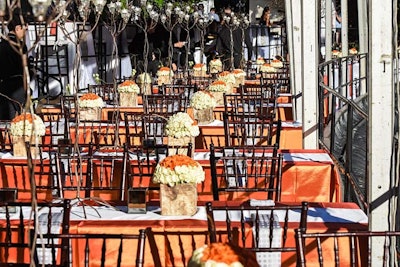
240,77
353,51
228,78
215,65
203,104
144,82
336,53
276,63
266,67
178,176
26,127
128,91
181,130
164,76
199,70
217,89
259,62
90,106
222,254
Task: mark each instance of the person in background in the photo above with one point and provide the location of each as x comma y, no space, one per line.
264,33
12,91
213,15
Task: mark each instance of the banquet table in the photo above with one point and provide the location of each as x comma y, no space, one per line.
308,175
171,240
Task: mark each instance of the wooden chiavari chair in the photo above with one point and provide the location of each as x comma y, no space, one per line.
245,172
263,230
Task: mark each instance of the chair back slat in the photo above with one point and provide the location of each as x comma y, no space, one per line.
256,228
346,247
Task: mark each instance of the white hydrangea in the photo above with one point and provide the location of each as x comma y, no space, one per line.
180,174
90,103
202,100
227,77
267,68
218,86
22,125
181,125
128,87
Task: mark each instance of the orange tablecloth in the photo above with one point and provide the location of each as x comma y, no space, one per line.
171,242
302,179
291,135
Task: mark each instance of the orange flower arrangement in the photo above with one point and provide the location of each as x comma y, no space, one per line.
24,117
266,67
276,63
89,96
218,86
27,124
128,86
90,100
177,160
178,169
222,254
165,71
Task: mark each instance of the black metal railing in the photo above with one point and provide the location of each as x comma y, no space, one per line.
343,121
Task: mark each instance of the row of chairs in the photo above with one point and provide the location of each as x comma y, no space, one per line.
47,241
262,230
85,172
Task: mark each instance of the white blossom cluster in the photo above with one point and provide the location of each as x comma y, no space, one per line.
202,100
276,63
179,175
238,73
215,63
260,61
91,103
131,88
25,128
267,68
218,86
181,125
228,78
200,67
165,72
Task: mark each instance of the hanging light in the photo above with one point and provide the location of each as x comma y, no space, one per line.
99,5
125,15
39,8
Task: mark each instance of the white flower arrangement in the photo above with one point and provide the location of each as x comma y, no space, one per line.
178,169
218,86
27,124
165,71
216,63
336,53
202,100
276,63
260,61
238,73
90,100
181,125
226,77
128,86
267,68
200,67
353,51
